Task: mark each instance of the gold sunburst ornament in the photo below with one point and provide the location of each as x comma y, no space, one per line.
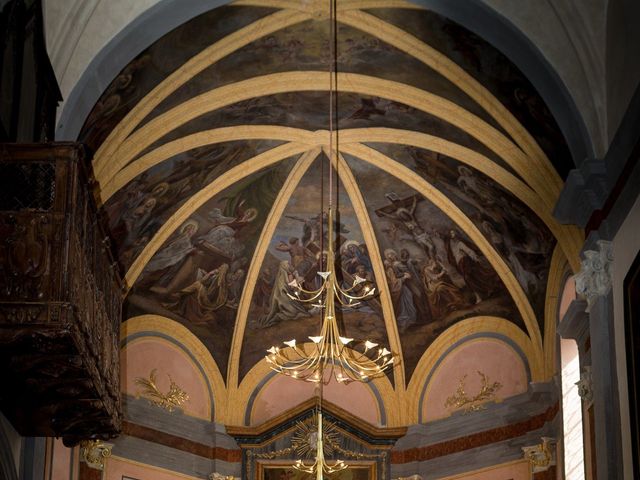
175,397
309,442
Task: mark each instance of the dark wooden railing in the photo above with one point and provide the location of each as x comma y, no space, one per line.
60,298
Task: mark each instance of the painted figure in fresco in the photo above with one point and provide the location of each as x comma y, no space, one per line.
263,288
401,295
199,301
474,185
176,251
477,274
281,307
402,211
444,296
353,254
504,245
315,230
414,283
222,235
301,257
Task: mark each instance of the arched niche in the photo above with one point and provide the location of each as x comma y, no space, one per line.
278,393
492,356
148,353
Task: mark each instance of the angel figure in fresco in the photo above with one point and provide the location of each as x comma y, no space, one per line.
281,306
474,269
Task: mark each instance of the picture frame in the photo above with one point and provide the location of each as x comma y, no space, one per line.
279,470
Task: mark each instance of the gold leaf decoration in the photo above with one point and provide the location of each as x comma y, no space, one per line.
175,397
476,403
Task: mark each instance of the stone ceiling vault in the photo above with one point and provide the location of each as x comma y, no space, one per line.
209,150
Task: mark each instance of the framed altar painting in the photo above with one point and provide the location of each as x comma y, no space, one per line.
284,471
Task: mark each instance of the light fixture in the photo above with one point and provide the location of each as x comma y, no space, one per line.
320,466
349,360
330,350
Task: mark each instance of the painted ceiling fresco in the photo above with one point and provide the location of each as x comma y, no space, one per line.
210,159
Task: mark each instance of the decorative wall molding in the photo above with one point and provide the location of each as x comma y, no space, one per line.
219,476
541,456
585,386
594,279
95,453
575,323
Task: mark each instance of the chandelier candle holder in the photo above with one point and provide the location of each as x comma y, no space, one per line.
330,350
320,466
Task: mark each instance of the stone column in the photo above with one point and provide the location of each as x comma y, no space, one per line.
593,284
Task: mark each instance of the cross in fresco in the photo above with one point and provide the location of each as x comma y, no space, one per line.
402,211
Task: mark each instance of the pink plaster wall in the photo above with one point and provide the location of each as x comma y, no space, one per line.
283,393
568,295
141,356
117,469
61,461
512,471
492,357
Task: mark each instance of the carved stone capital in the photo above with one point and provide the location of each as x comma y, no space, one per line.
594,278
542,455
585,385
94,453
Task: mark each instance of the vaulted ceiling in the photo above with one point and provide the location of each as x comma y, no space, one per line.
210,156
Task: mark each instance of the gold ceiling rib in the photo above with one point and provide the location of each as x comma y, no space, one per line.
320,6
409,44
570,237
355,196
210,55
225,180
402,173
268,230
317,138
201,139
280,20
158,324
317,81
557,271
457,332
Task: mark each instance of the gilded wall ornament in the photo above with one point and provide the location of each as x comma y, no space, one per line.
94,453
219,476
476,403
175,397
540,456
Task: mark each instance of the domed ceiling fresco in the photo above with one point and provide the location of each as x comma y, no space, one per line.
210,156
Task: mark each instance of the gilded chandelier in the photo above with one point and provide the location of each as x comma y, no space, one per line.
320,465
347,359
330,350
